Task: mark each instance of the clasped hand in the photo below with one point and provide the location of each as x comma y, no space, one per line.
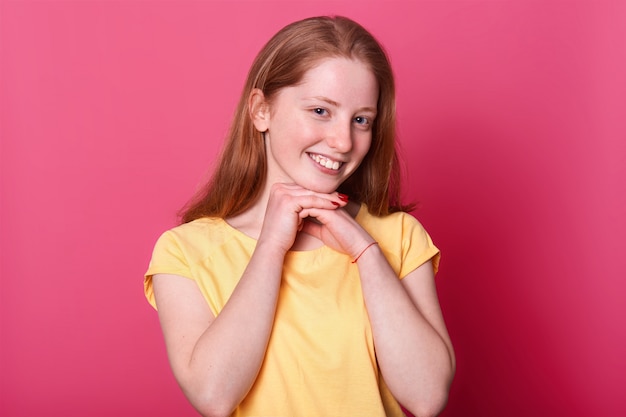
292,209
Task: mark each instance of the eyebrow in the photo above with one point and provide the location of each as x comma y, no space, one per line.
334,103
326,99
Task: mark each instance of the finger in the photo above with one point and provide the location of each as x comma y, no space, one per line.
336,198
342,197
320,215
316,214
314,201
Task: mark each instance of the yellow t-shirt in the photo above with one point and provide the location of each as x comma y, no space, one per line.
320,360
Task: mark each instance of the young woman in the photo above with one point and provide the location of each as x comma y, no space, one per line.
297,285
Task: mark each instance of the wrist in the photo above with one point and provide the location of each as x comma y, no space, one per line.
270,248
363,251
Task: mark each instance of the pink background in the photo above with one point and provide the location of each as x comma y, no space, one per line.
512,120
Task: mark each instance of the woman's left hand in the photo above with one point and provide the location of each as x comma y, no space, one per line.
338,230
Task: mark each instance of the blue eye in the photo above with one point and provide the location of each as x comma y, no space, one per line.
361,120
319,111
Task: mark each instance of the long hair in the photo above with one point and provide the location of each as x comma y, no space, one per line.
240,173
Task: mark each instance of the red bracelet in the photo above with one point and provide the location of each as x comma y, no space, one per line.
363,251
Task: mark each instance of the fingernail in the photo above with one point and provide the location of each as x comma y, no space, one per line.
335,203
343,197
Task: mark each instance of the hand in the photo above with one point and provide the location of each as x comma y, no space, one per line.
287,207
338,230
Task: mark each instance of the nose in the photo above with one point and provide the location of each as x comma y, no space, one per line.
339,137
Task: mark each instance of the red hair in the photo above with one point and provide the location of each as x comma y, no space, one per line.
282,62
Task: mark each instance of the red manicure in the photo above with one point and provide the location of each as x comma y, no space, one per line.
343,197
335,203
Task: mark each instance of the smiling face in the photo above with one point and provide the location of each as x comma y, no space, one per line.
319,131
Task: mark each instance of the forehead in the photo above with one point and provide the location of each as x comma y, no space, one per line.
341,79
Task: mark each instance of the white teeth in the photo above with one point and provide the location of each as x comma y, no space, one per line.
325,162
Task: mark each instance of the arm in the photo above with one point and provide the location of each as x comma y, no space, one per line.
413,348
217,359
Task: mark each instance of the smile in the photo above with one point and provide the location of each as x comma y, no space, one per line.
325,162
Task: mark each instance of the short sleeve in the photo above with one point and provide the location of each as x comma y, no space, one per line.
403,239
417,246
167,258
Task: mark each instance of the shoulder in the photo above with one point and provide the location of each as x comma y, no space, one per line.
399,223
403,239
197,229
193,239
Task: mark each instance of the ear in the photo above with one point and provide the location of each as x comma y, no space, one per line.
259,110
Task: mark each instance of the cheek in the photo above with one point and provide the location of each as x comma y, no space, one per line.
291,130
362,146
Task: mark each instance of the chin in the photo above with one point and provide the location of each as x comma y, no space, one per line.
324,189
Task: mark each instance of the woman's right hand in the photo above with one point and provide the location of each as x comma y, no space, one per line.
286,210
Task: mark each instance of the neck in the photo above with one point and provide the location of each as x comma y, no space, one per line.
250,221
